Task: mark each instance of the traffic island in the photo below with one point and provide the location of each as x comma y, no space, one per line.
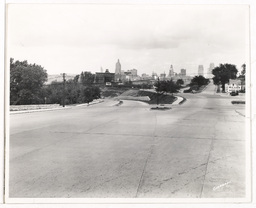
163,108
120,103
238,102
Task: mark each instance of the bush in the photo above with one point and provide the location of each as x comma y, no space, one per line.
199,80
188,90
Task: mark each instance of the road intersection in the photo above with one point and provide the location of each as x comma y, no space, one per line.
194,150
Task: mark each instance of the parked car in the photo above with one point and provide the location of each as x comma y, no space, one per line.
234,93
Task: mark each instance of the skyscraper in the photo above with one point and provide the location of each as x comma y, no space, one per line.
211,67
171,72
201,70
118,71
209,71
118,67
183,72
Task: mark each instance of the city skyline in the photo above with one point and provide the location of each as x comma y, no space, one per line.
148,38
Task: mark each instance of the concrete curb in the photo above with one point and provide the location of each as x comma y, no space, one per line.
92,103
179,100
52,109
39,110
183,101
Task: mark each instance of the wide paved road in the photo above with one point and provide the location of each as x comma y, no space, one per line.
196,149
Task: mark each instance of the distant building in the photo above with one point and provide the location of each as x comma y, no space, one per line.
154,75
162,76
234,85
145,81
118,72
183,72
131,75
59,78
118,67
209,73
133,72
201,70
186,79
211,67
242,83
103,78
171,72
145,76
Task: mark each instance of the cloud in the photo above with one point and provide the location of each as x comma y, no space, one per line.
149,37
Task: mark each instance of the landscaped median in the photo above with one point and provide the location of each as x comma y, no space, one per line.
149,97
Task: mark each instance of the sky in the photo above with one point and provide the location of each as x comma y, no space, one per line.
71,38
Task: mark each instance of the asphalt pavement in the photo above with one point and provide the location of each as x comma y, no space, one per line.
193,150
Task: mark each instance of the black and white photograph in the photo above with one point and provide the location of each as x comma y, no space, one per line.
129,103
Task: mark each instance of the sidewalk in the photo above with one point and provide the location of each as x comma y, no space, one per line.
58,108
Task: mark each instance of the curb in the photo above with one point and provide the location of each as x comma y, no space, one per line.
39,110
183,101
177,102
52,109
86,104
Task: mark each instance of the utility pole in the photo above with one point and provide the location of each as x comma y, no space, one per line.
64,89
157,97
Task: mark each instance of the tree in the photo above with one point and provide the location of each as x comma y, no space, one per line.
223,73
75,92
26,82
166,86
244,69
243,72
88,94
199,81
180,82
87,78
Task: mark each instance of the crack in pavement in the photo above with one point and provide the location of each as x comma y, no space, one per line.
149,155
208,159
173,192
239,113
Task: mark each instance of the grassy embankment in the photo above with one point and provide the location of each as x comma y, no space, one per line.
33,107
147,96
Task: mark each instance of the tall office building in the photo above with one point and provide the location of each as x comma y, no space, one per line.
201,70
183,72
171,72
118,72
209,72
133,72
211,67
118,67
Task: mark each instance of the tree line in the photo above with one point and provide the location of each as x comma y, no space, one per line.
27,86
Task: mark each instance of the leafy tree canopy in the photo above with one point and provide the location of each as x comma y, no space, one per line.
223,73
166,86
87,78
26,82
244,69
180,82
199,80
